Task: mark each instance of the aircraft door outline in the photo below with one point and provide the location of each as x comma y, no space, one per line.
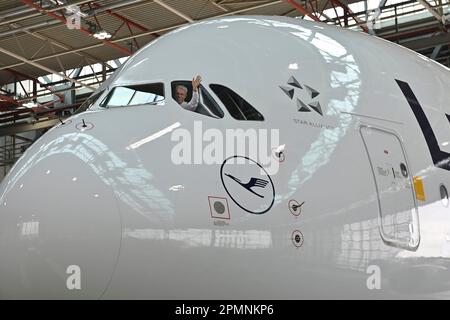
397,207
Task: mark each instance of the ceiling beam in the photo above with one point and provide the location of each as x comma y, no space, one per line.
36,14
358,21
62,45
42,67
44,26
436,51
302,10
81,29
8,99
125,19
430,42
435,14
148,33
43,85
218,5
24,127
173,10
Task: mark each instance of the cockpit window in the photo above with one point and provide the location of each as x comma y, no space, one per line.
89,102
235,104
144,94
201,102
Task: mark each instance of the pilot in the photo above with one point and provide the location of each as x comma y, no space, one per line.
181,93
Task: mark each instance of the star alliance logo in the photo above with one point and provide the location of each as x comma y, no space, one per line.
289,90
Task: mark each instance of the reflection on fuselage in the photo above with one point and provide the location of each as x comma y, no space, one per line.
132,184
237,239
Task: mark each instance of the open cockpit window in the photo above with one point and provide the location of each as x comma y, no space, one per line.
89,101
134,95
200,101
235,104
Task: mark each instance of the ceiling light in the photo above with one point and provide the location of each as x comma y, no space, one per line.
102,35
30,105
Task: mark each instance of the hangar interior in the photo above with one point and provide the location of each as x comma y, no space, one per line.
54,53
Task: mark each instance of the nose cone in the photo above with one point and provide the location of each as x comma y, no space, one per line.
59,221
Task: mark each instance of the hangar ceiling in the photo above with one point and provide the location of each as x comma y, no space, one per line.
34,37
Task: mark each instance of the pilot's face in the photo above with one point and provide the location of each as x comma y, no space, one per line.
180,95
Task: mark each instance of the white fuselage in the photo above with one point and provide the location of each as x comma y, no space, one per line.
107,197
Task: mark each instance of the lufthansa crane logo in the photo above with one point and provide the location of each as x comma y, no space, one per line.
302,106
248,184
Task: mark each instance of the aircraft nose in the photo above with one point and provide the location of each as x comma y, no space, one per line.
60,225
